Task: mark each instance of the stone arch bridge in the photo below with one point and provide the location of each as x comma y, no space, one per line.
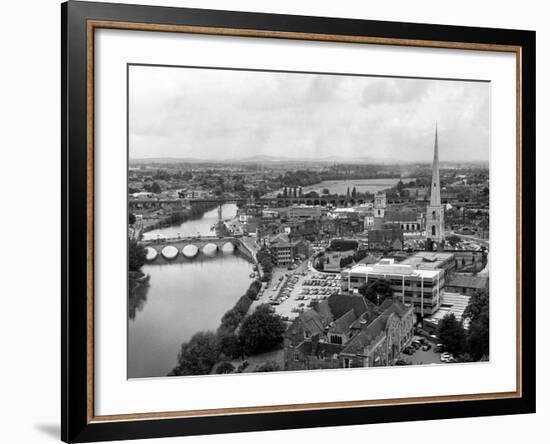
184,248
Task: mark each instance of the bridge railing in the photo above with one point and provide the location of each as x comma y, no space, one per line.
166,239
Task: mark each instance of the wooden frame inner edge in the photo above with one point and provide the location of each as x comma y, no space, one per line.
90,28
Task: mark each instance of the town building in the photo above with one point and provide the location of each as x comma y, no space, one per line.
467,283
454,303
284,250
298,213
432,260
435,222
380,204
385,239
419,287
409,221
345,331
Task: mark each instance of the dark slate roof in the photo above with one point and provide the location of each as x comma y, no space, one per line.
396,307
363,339
340,304
385,234
401,216
366,318
371,331
323,308
328,349
312,322
343,323
310,348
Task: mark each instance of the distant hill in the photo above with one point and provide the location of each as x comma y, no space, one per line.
280,160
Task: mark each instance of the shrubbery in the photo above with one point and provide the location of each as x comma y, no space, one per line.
225,367
342,245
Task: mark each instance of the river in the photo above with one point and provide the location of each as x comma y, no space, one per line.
182,299
341,186
194,227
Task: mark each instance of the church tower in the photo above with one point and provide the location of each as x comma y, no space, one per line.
435,222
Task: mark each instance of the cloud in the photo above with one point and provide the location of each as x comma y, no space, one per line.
209,113
394,91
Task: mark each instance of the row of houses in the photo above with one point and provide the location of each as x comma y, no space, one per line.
345,331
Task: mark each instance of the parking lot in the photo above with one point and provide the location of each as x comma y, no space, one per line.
292,292
420,356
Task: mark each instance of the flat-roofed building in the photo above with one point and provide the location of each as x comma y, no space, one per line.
429,260
454,303
419,287
467,283
305,212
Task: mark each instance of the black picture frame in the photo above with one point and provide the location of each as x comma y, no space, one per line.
76,423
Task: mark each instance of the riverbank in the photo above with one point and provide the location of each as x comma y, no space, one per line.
181,299
220,346
180,217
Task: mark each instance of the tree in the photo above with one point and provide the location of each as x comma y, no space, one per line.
300,192
131,218
230,345
198,356
285,192
155,188
261,331
478,332
400,186
451,334
136,255
478,337
353,193
345,261
269,366
347,194
376,291
478,305
326,191
225,367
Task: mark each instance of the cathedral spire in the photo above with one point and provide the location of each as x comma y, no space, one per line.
435,194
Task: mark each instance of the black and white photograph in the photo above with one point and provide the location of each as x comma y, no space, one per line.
302,221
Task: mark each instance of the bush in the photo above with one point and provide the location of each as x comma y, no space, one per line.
269,366
225,367
343,245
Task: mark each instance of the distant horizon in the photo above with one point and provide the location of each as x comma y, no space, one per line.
277,159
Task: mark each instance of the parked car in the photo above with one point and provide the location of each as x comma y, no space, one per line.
426,347
439,348
403,362
409,350
446,357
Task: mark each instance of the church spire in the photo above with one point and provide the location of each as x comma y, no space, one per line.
435,194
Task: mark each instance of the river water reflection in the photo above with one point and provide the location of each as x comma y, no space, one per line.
181,299
202,226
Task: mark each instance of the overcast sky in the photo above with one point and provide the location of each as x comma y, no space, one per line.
220,114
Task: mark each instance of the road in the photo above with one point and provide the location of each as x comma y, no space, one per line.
465,237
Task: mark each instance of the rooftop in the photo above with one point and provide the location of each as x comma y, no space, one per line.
450,302
392,268
428,260
468,281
